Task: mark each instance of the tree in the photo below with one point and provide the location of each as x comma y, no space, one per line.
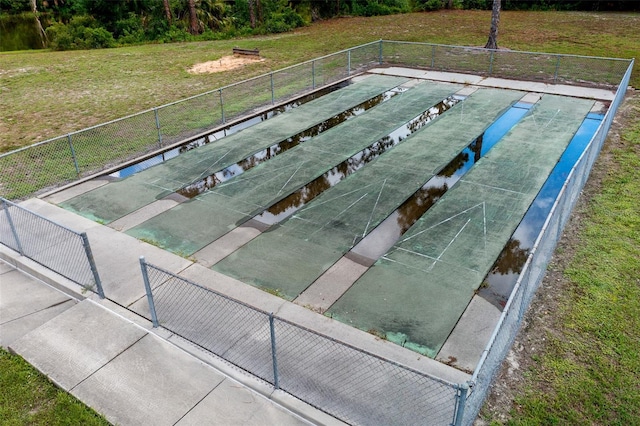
36,15
194,28
167,10
492,43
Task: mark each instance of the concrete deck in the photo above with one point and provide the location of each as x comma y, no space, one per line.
112,360
137,374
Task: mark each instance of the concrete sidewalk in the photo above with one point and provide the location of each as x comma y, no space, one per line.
111,359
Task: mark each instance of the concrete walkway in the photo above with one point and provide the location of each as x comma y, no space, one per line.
111,359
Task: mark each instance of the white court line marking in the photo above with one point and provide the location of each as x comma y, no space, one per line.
291,177
440,223
213,164
241,177
428,257
449,245
492,187
307,208
373,209
338,215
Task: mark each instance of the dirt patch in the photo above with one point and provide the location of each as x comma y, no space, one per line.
541,319
226,63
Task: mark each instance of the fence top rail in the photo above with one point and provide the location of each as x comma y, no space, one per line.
231,299
4,200
220,89
185,99
378,357
619,95
507,52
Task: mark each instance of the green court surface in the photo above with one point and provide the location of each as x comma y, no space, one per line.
293,255
416,293
192,225
117,199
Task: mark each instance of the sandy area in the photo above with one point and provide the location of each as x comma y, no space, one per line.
225,63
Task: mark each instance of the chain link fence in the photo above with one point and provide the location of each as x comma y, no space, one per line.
536,265
57,247
351,384
60,160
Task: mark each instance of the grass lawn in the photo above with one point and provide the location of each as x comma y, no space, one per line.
586,368
577,361
29,398
47,94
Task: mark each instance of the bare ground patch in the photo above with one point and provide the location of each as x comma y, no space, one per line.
226,63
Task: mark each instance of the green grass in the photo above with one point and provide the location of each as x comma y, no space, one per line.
46,94
29,398
590,370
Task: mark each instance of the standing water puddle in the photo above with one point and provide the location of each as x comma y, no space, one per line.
240,167
381,239
226,131
499,283
295,201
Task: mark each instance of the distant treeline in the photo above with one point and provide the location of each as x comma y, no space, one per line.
86,24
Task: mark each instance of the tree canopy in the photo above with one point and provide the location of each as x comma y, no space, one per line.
82,24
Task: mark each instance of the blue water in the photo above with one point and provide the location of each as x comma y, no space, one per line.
507,269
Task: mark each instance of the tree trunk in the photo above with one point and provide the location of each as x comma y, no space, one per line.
193,18
167,10
252,13
41,32
492,43
450,4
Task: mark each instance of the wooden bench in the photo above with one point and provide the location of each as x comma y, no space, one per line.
249,52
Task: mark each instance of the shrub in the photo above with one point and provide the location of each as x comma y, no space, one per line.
82,32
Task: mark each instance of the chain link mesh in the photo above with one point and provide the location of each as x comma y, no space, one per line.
54,246
63,159
350,384
534,270
214,322
355,386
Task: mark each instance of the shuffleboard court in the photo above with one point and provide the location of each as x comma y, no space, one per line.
228,204
117,199
290,257
418,290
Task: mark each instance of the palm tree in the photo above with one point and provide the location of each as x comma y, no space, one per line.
167,10
492,43
194,28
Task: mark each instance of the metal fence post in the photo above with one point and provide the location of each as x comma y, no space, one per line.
92,264
13,228
273,97
147,287
73,154
461,400
433,56
313,74
349,62
491,63
276,382
155,111
380,53
222,107
555,76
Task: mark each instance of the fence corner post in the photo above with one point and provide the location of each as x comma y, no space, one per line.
92,264
155,112
461,402
73,154
276,382
147,287
14,231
